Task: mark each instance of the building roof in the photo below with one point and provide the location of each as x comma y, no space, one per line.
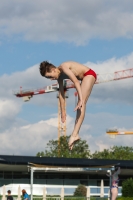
70,162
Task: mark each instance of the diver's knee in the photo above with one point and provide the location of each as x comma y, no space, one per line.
84,102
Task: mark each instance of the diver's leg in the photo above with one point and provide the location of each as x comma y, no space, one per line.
86,88
114,193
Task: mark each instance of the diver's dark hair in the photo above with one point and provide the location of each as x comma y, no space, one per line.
45,67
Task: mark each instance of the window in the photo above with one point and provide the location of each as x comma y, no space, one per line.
106,183
83,182
84,176
7,175
54,176
1,175
71,176
21,175
39,175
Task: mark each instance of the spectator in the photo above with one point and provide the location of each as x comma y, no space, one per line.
25,195
9,196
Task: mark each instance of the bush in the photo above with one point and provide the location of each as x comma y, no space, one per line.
84,198
124,198
80,191
75,198
98,198
127,188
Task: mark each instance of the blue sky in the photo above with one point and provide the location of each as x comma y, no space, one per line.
19,55
92,33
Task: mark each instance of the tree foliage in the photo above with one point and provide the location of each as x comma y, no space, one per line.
127,188
115,152
80,191
60,148
40,154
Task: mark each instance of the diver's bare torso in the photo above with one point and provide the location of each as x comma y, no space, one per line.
78,69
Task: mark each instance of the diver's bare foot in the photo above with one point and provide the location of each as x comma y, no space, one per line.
72,140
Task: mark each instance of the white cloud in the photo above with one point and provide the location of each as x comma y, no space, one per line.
10,105
28,79
100,122
115,91
105,142
8,112
8,108
26,140
71,21
29,139
113,64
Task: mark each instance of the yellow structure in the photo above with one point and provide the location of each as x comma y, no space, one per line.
114,132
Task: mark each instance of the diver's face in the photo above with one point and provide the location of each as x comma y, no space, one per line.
53,74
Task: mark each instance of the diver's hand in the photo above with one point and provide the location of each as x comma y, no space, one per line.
79,105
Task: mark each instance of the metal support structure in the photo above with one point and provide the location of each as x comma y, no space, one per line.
110,182
66,169
59,126
31,182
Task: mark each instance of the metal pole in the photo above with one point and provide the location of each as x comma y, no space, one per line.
110,183
31,182
59,127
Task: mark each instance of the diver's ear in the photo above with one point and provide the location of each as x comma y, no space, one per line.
52,69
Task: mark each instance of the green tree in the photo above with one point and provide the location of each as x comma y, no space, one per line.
80,191
115,152
40,154
127,188
105,154
60,148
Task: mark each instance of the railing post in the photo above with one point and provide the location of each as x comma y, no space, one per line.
44,193
19,193
88,193
62,193
102,189
4,193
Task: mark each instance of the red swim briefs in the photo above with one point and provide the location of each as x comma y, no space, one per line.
91,72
